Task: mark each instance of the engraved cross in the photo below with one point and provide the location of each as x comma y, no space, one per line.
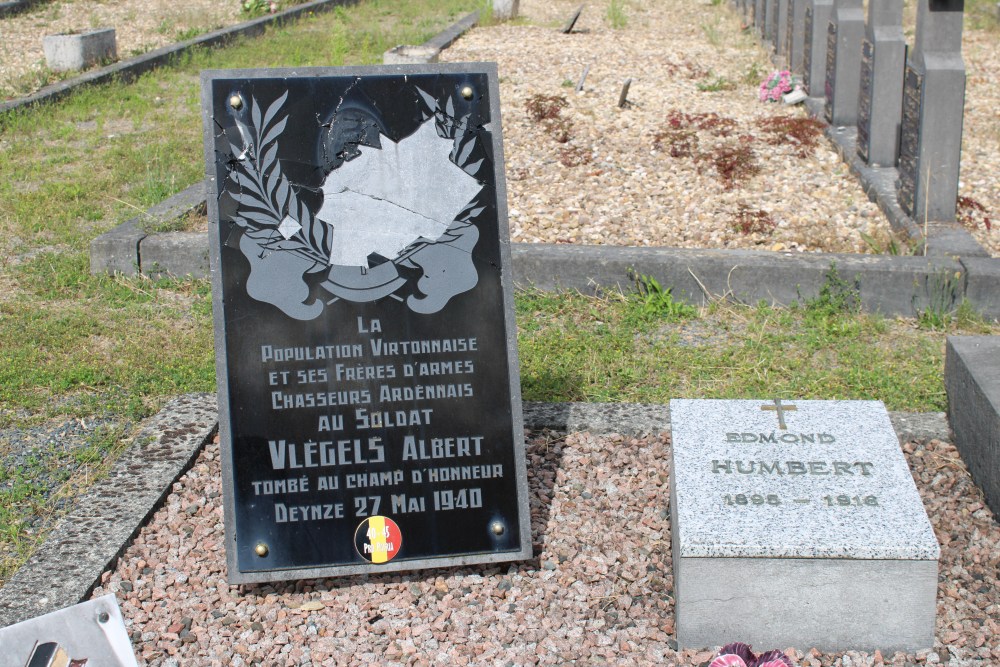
780,409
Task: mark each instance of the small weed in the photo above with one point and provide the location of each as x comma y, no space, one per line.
734,163
559,129
753,74
720,126
712,33
486,13
714,83
616,14
567,84
165,27
680,143
656,302
892,246
255,8
836,297
189,33
971,213
574,156
544,107
942,298
802,133
29,81
748,221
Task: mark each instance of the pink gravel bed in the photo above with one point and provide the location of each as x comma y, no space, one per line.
599,591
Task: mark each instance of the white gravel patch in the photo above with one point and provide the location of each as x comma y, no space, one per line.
598,591
627,191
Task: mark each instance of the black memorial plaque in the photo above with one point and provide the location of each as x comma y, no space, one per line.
865,98
370,409
909,140
829,89
807,52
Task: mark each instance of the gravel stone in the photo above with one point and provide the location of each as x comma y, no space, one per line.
610,183
606,599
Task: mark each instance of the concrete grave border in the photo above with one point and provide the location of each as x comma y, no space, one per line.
14,7
956,268
891,285
90,540
131,68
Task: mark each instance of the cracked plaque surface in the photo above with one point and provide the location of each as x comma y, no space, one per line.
368,386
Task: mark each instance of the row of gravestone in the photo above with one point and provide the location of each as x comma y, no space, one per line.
907,103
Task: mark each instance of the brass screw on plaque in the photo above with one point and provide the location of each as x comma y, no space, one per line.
497,527
467,92
261,549
236,102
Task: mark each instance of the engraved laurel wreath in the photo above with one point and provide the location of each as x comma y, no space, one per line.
410,205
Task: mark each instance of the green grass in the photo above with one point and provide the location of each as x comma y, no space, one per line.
616,15
982,14
73,345
613,348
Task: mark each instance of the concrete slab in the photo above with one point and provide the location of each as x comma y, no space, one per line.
177,254
982,284
808,496
118,251
972,380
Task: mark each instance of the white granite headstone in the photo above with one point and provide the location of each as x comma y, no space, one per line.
797,523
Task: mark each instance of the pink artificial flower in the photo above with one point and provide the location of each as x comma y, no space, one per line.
739,654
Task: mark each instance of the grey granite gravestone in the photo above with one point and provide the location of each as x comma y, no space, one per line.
758,18
369,400
795,35
880,100
843,62
817,19
767,29
74,51
972,380
930,146
797,524
781,27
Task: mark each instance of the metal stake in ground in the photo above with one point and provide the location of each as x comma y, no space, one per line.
623,98
568,26
583,78
930,144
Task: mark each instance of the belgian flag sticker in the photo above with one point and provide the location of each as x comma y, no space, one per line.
378,539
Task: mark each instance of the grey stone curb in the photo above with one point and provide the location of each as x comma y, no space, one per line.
14,7
127,70
943,239
89,541
67,567
891,285
121,250
447,37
